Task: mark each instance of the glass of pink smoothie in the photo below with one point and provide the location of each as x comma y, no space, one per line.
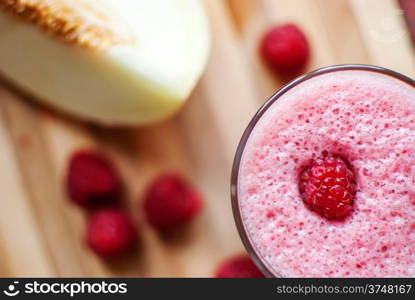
366,115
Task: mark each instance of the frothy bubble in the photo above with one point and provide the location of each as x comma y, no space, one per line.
365,117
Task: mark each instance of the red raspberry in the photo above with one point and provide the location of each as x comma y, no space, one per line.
170,201
110,232
285,49
328,187
91,180
240,266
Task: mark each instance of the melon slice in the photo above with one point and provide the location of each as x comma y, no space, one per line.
115,62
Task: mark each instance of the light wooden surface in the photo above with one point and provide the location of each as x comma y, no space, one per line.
41,234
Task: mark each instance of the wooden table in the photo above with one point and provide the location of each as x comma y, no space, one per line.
41,233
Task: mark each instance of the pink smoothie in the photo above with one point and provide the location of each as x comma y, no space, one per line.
367,118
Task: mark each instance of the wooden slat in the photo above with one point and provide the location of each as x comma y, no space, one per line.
227,82
199,142
5,268
408,7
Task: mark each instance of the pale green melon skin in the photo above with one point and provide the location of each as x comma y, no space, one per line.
88,84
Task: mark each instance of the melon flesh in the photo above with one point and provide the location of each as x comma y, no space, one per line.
140,66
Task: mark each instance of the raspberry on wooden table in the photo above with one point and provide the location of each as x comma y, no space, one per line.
110,232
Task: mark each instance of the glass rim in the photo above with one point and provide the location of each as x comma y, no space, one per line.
253,253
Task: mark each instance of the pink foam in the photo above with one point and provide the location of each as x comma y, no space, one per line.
365,117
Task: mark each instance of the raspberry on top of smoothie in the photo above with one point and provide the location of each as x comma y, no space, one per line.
367,119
